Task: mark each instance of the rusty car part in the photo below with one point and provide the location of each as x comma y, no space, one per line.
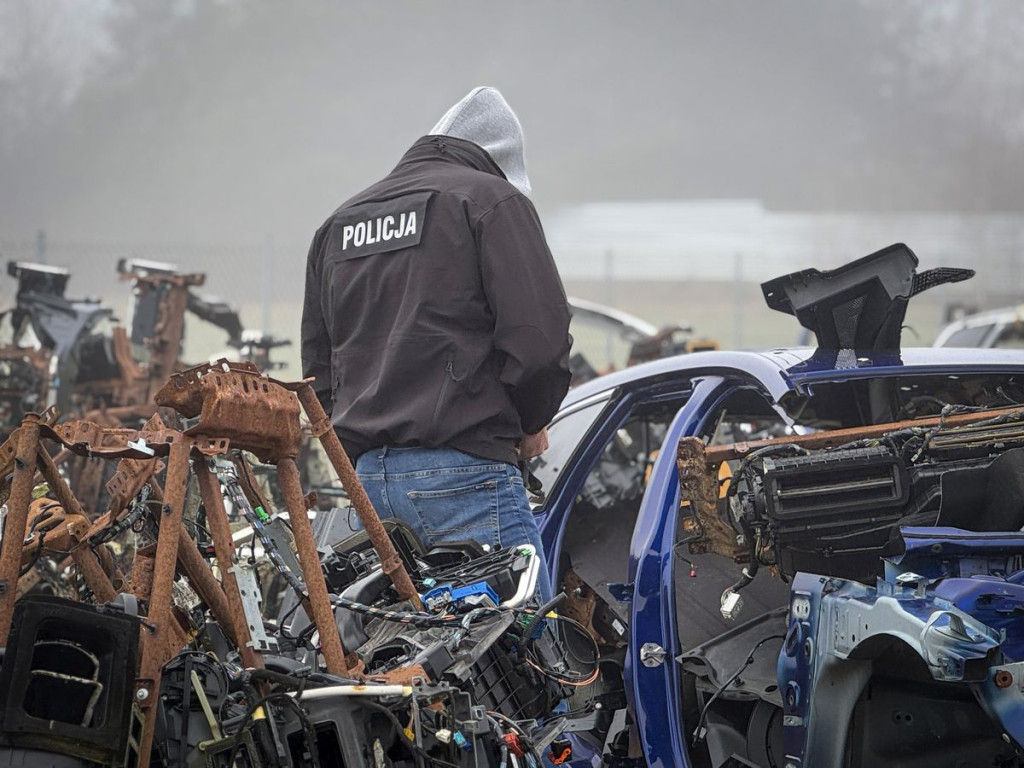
321,427
157,648
220,530
237,408
165,344
128,479
234,400
163,636
260,414
9,448
580,603
143,567
309,559
201,577
830,439
91,439
705,530
24,461
51,530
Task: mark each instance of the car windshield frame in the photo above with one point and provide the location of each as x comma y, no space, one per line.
549,465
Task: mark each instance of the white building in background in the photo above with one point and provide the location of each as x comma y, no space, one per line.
730,239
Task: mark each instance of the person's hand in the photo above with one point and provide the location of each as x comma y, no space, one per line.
533,445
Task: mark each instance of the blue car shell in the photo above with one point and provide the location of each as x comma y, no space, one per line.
705,380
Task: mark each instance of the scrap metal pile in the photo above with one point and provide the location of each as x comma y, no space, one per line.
73,354
159,652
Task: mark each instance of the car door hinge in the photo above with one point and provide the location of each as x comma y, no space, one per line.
652,655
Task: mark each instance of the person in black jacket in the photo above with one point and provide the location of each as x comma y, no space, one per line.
435,326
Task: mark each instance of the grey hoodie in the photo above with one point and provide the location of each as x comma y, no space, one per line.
485,118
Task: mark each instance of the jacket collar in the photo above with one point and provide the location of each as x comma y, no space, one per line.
448,149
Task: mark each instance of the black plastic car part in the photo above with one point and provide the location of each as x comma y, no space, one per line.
861,305
68,675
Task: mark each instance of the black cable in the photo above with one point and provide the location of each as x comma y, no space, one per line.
721,689
137,510
278,678
307,727
525,739
422,620
538,617
36,554
747,574
583,633
200,527
233,491
543,611
501,741
284,620
400,729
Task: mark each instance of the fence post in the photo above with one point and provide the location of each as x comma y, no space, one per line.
737,301
268,282
41,246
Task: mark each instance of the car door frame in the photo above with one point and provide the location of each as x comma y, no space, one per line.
652,680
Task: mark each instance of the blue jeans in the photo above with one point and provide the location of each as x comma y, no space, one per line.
447,495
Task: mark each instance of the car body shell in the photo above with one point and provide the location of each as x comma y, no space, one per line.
653,689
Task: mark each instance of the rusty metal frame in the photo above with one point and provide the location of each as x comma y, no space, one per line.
323,429
309,559
220,530
24,460
238,409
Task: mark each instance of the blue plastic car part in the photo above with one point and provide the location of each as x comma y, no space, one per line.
438,597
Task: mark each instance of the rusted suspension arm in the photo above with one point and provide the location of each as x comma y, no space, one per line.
309,559
324,431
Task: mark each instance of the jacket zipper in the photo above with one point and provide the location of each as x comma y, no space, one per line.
449,368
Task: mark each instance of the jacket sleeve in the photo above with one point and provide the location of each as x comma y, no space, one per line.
531,314
316,339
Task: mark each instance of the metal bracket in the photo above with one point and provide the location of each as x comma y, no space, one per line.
245,576
652,655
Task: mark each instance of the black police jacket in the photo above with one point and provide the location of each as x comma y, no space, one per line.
434,314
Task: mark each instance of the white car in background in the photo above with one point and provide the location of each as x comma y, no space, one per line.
607,339
1003,328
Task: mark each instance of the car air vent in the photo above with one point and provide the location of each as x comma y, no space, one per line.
829,484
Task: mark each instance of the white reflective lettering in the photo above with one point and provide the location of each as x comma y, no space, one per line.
360,234
410,227
346,236
389,222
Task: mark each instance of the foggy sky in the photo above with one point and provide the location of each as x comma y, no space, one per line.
232,122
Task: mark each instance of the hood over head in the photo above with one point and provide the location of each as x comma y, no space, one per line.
485,118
